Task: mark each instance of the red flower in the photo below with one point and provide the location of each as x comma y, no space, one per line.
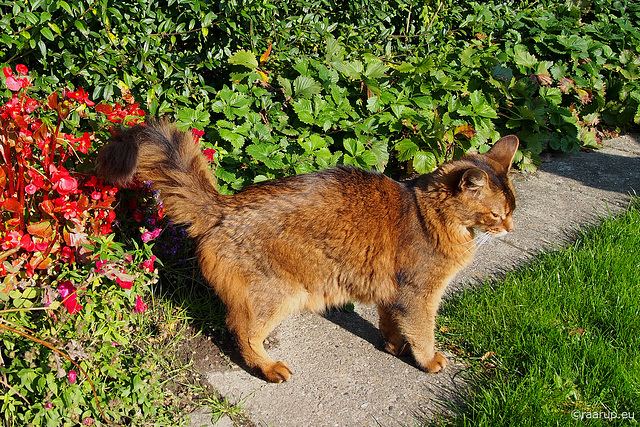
197,134
140,307
22,69
209,154
84,143
27,243
148,264
123,284
81,96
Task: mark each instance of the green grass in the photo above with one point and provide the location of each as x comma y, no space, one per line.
558,338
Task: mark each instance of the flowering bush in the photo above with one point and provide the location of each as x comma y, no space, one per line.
48,211
66,282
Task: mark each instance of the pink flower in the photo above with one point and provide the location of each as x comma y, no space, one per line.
63,182
48,405
11,240
73,376
150,235
140,307
66,185
30,189
128,258
14,84
148,264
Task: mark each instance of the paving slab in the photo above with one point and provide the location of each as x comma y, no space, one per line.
342,376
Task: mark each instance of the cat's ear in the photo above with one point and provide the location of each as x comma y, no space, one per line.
504,151
473,179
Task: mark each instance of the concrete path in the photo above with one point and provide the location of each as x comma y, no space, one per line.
342,377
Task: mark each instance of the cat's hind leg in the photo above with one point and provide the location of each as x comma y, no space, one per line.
252,321
393,340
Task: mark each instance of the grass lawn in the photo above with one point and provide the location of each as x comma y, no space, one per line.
559,340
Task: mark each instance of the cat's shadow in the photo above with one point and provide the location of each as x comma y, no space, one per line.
353,322
347,320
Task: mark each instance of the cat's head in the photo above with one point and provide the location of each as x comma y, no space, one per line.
485,198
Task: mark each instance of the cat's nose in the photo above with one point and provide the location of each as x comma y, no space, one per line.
508,224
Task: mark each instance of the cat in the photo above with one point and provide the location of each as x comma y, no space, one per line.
325,238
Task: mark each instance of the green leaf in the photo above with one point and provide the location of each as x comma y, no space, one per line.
244,58
375,69
224,175
424,162
47,33
374,104
312,143
352,146
552,95
306,87
406,148
190,117
502,73
523,58
304,110
80,26
234,138
335,51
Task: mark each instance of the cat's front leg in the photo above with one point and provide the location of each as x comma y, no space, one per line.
416,321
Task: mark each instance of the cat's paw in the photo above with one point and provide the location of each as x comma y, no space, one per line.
438,363
398,349
277,372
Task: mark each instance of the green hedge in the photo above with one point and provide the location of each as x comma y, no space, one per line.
399,85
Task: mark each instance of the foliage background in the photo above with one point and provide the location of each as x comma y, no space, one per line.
398,85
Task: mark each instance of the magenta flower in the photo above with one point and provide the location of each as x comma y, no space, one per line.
150,235
72,377
69,295
140,307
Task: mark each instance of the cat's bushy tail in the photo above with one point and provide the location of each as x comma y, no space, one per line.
173,161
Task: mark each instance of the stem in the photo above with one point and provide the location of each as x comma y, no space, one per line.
54,141
6,156
6,254
15,391
21,188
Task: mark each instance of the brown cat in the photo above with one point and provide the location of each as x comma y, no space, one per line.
325,238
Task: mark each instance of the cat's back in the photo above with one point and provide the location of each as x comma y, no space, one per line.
344,199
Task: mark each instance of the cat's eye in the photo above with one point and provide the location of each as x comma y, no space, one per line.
495,215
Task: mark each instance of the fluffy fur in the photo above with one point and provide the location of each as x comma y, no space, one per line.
324,238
